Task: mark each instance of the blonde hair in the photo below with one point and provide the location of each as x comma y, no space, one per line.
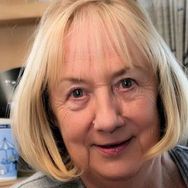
34,130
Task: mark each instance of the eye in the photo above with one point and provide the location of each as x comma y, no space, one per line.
77,98
126,83
77,93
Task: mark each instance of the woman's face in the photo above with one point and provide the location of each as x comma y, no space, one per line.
107,113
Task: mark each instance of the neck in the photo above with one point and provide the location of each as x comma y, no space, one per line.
153,173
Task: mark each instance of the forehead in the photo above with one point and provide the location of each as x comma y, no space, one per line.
92,43
96,48
94,35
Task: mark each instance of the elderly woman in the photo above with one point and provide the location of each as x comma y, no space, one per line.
102,102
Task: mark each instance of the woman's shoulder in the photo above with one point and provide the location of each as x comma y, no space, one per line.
179,155
39,180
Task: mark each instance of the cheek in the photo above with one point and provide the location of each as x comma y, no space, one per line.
150,127
143,115
142,109
74,128
73,124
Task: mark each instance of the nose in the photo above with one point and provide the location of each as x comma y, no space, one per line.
107,113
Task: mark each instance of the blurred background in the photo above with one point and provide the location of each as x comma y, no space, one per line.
170,18
18,21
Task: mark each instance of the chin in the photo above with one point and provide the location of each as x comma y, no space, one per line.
118,173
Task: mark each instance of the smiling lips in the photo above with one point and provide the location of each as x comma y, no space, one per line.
113,149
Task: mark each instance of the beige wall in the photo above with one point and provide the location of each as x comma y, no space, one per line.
14,44
18,20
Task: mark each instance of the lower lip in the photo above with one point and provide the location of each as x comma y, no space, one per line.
114,151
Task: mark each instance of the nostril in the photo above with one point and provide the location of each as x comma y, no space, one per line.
115,128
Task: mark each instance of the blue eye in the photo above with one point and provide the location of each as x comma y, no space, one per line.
77,93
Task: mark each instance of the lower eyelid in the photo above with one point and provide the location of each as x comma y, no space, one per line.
78,98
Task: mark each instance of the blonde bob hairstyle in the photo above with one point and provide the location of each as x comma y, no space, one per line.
34,124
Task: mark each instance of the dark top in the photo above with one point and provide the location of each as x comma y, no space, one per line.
179,155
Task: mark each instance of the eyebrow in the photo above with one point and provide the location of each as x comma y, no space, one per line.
120,72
